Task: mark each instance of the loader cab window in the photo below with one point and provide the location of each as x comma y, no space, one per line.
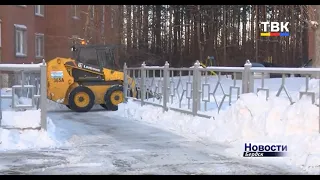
88,56
106,58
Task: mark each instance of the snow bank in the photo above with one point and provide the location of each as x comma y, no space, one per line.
19,131
21,119
250,119
54,106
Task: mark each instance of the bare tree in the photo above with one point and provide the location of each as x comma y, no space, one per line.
316,61
182,34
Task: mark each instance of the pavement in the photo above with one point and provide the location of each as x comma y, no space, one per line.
107,144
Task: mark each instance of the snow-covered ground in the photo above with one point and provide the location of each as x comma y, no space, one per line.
250,119
21,129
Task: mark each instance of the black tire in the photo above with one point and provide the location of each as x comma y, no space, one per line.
107,98
104,106
77,90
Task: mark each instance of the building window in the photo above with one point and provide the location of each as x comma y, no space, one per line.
39,10
0,32
39,45
92,12
21,40
75,11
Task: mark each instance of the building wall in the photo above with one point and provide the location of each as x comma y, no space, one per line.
58,42
56,37
0,39
40,27
10,15
58,25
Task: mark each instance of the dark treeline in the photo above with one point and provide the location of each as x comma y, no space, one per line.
181,34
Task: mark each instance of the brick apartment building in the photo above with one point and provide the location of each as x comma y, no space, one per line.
30,33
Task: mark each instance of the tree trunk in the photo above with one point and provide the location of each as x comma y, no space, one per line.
199,34
224,36
134,26
257,35
244,31
153,37
170,34
139,32
252,38
129,32
175,30
316,62
146,26
158,29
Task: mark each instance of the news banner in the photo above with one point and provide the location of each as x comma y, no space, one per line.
270,150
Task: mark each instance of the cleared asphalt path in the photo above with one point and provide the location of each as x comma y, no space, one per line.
112,145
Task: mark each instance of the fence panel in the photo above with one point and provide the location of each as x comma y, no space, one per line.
24,87
194,90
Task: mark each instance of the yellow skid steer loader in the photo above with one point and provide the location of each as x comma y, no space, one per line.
89,78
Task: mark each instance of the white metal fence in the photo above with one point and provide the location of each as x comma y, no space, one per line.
25,80
189,90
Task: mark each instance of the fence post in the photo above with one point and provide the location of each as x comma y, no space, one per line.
319,99
22,81
43,95
0,105
195,90
143,80
125,83
165,86
198,75
246,76
251,80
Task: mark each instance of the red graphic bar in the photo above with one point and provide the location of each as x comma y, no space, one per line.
274,34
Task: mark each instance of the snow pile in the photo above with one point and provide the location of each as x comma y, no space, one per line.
54,106
21,119
20,131
251,119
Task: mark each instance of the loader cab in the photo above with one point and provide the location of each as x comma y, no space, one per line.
100,56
